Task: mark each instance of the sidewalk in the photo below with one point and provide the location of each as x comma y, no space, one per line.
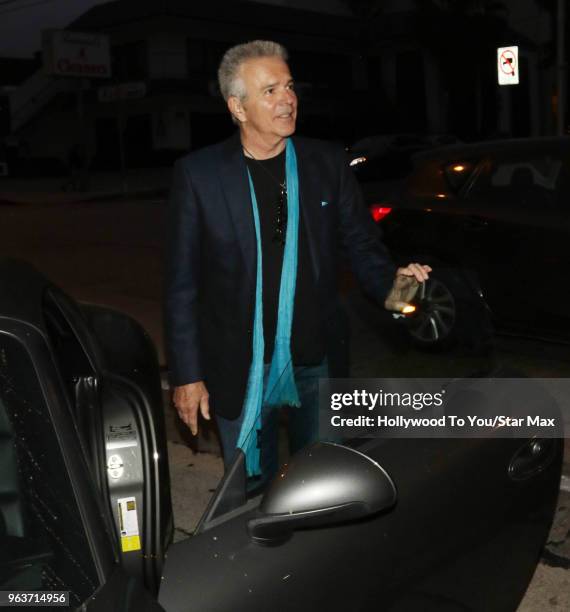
140,182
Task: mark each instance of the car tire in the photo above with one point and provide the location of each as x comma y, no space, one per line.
449,312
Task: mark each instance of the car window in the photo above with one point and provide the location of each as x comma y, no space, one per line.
538,181
44,543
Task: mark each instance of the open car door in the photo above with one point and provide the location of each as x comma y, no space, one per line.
71,402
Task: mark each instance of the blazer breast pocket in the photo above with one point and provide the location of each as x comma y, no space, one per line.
327,208
327,203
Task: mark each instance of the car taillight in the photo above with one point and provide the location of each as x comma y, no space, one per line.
379,211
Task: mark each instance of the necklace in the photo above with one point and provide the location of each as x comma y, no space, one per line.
282,185
280,232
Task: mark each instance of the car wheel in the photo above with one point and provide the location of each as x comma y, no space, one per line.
449,312
436,314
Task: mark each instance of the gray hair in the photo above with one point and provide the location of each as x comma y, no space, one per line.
228,73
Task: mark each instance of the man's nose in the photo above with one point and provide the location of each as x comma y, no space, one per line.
288,96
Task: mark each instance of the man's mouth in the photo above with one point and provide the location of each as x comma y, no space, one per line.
285,116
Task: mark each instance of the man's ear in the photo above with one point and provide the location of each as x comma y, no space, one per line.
236,108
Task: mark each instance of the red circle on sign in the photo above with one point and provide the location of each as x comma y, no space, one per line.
505,60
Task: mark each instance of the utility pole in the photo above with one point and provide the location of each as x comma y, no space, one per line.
561,65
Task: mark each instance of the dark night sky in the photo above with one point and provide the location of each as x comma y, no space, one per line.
21,21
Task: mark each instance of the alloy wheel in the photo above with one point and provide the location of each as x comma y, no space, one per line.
436,314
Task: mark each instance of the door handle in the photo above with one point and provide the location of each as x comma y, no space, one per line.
533,457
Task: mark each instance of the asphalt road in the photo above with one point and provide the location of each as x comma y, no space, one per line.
110,253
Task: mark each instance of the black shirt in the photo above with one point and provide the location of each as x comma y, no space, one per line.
307,344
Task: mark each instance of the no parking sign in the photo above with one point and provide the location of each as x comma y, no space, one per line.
508,65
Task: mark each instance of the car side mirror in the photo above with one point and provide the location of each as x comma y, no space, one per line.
324,484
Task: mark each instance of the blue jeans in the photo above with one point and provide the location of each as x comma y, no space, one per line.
303,422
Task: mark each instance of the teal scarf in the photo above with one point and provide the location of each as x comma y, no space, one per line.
280,388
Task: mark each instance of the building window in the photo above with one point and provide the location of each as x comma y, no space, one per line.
130,61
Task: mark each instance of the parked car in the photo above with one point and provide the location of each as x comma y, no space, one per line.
391,524
494,222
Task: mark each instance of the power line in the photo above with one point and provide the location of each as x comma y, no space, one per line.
19,7
4,2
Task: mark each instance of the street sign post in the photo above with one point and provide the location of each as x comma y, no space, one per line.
508,65
121,93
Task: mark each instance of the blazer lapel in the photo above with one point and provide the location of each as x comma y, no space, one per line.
309,203
233,174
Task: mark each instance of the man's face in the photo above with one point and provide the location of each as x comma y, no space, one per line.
269,109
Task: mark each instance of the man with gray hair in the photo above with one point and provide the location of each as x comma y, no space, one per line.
253,318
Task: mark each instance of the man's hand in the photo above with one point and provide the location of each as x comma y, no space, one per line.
406,285
418,271
187,399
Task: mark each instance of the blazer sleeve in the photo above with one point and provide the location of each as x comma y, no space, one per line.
182,280
362,239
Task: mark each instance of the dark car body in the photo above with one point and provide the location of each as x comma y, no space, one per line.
391,524
493,220
388,157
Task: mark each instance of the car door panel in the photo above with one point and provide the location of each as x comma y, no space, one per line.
120,425
521,195
133,468
456,505
132,377
122,592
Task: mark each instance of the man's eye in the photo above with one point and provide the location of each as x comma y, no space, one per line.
291,86
269,91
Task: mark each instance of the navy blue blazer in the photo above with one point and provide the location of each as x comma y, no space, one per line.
211,262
